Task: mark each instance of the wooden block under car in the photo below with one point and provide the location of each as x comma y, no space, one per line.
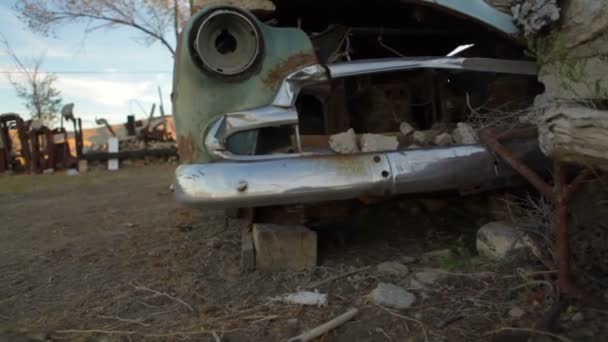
284,247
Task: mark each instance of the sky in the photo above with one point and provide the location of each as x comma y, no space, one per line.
108,73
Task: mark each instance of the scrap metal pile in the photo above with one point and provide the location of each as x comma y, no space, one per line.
29,146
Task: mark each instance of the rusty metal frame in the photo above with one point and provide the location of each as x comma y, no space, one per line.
559,195
42,159
5,120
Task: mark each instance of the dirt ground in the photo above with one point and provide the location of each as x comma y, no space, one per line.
110,256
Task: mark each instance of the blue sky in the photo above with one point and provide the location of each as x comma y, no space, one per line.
107,73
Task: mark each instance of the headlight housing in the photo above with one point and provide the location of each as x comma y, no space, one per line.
227,42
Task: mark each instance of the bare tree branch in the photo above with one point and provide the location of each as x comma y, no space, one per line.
34,87
153,18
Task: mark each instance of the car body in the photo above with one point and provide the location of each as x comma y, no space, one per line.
257,96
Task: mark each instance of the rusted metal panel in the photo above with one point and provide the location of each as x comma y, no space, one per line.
286,67
187,149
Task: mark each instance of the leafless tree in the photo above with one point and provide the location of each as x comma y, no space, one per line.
35,87
155,19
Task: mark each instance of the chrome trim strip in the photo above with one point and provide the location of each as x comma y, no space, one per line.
373,66
338,177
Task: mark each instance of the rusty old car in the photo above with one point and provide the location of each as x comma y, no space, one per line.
257,96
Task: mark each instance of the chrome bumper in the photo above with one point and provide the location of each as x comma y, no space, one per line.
339,177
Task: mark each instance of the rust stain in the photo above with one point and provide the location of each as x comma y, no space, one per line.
188,152
288,66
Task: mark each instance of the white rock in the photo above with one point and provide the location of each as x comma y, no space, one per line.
577,317
430,277
378,143
344,143
443,139
423,138
405,128
464,134
516,312
392,296
497,239
417,284
393,268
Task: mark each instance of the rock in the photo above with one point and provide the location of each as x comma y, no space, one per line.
284,247
424,138
417,284
413,147
443,139
429,277
516,312
496,240
392,296
534,15
575,134
378,143
577,317
345,142
393,268
464,134
405,128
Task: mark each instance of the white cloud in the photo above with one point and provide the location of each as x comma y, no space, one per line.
104,91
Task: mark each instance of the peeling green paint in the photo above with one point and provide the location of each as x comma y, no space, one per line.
199,99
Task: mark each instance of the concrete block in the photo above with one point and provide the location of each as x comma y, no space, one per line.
284,247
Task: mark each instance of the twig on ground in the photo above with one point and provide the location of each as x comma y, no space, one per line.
473,274
325,327
96,331
422,325
260,318
531,283
179,333
380,330
334,278
235,314
126,320
215,337
142,288
531,331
